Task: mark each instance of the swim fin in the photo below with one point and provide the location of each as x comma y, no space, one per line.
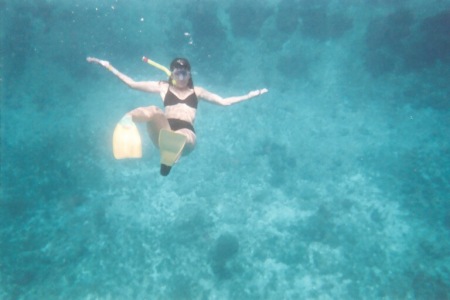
126,140
171,146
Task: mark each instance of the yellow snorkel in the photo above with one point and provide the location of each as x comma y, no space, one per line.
156,65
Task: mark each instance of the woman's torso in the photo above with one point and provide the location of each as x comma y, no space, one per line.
179,104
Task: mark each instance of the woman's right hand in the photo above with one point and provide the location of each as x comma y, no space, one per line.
103,63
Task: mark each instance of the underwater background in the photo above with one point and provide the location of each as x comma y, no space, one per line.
334,185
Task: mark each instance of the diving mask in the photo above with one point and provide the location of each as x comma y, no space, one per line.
181,74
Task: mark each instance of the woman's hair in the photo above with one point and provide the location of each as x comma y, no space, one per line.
181,63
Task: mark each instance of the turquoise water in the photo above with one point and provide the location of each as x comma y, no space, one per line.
334,185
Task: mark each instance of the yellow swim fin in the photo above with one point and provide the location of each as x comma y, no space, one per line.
171,146
126,140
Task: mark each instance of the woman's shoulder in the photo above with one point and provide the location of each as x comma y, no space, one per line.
199,91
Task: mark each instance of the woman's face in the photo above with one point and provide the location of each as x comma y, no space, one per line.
181,77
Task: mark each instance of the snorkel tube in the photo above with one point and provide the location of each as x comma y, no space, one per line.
156,65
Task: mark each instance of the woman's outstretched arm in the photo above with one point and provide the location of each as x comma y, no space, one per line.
216,99
145,86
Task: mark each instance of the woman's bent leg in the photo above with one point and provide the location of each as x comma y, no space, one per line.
190,140
155,119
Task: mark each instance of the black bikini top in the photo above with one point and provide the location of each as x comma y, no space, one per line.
172,99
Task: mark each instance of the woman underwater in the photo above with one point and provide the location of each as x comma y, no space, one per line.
180,99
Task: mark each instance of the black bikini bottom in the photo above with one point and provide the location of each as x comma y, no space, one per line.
176,124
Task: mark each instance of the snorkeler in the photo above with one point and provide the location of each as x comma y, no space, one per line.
171,130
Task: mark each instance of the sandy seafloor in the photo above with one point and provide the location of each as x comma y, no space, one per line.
334,185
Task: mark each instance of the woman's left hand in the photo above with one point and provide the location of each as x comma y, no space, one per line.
257,92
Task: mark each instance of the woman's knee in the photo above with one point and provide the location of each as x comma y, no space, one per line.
142,114
151,111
